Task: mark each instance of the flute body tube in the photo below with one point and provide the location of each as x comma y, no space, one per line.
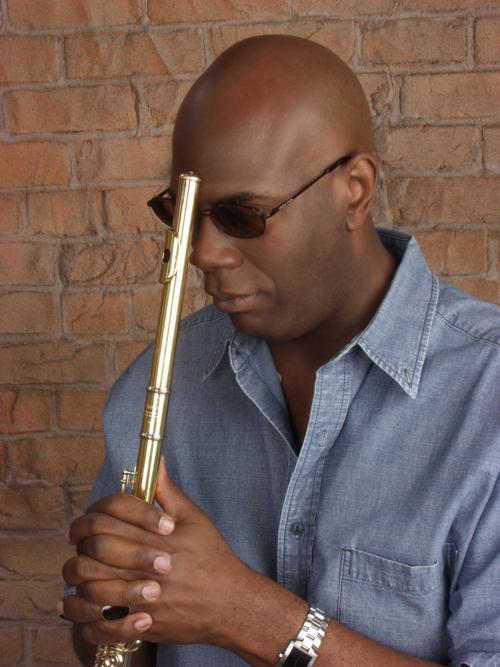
142,480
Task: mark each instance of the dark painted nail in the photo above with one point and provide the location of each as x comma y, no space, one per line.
112,613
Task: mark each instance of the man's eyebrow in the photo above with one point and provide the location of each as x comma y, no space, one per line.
241,197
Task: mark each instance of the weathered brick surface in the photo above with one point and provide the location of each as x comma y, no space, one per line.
444,200
57,459
487,41
429,149
11,641
89,91
71,109
29,312
53,646
57,362
414,41
28,59
69,13
93,313
27,264
124,159
32,508
69,213
27,555
217,10
80,409
118,263
492,149
25,411
451,95
28,164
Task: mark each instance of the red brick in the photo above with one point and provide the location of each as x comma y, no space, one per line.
79,497
5,474
453,95
487,290
24,411
194,299
427,149
11,641
28,59
60,214
119,263
414,41
80,409
124,159
454,253
182,51
66,13
338,35
27,264
25,600
53,646
380,93
29,312
31,507
162,101
127,211
71,109
65,458
445,5
343,7
192,11
125,353
146,306
23,555
93,313
9,215
492,148
57,362
444,200
487,41
28,164
112,54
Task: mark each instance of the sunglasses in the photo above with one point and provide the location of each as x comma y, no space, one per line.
238,220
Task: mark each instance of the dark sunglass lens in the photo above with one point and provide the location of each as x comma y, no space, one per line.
164,209
242,222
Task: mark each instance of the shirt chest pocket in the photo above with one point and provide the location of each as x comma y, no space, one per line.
401,606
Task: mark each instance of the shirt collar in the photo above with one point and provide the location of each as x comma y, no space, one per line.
397,337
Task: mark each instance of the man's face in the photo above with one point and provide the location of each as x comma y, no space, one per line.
289,281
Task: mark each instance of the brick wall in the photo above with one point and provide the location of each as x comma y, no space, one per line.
88,94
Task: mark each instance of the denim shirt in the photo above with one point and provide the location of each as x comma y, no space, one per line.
389,517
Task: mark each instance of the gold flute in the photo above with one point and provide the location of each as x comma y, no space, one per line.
142,480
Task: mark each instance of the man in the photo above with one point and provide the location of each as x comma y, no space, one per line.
333,412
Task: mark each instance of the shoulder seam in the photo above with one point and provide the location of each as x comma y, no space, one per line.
466,333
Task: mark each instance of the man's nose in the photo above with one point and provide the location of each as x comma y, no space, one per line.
212,249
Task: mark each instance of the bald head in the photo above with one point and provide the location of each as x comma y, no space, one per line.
269,103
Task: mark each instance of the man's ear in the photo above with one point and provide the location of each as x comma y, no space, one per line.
362,179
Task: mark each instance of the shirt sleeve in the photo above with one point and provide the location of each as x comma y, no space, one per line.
474,623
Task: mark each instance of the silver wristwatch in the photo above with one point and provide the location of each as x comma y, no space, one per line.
303,651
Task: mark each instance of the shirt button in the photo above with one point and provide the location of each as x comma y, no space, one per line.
297,528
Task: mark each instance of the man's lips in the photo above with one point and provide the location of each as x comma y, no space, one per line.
234,303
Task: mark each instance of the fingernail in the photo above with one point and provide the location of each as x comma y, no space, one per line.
66,537
142,624
151,592
165,525
60,607
162,564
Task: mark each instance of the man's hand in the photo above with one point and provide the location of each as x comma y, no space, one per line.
174,568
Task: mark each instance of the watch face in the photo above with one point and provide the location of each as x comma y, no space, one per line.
297,658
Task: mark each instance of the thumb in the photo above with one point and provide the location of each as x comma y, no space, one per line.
170,497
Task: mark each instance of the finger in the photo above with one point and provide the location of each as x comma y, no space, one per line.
107,632
87,605
115,515
80,569
175,503
122,553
